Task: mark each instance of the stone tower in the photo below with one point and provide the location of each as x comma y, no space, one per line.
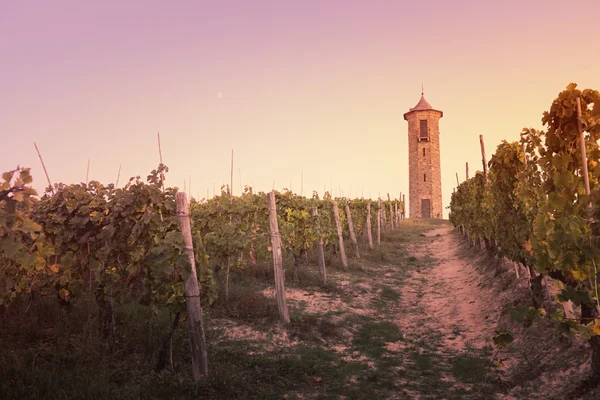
425,177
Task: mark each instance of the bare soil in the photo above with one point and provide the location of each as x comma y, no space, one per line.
447,299
413,318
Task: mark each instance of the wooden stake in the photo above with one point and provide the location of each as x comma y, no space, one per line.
338,225
457,183
231,179
162,176
87,173
483,159
230,219
403,207
319,250
118,176
192,296
277,261
44,167
384,221
351,230
586,179
391,216
379,221
368,224
467,173
159,149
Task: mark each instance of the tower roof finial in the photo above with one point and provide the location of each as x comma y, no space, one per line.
422,105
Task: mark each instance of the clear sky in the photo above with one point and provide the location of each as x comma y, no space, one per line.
313,88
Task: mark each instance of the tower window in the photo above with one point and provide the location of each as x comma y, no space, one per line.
423,132
423,151
424,177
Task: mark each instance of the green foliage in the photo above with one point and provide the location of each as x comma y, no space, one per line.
535,205
125,241
24,251
237,228
503,339
526,315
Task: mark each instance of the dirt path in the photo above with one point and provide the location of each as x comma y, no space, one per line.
462,312
406,321
454,318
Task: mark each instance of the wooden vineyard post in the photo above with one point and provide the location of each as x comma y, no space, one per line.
230,220
192,296
118,176
467,171
403,207
457,183
399,210
368,225
391,217
483,158
383,214
336,214
379,221
277,261
586,179
351,230
44,167
320,251
162,175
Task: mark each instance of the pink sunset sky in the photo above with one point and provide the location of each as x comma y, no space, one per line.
297,88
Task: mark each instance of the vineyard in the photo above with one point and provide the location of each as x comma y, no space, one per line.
92,249
137,292
538,206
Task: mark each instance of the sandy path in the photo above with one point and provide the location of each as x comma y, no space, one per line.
464,312
450,295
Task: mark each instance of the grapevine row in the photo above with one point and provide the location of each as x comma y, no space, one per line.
94,241
533,207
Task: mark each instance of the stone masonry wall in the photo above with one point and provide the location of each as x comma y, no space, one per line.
428,164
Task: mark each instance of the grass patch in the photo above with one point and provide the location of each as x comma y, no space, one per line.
389,294
245,304
372,337
314,328
469,368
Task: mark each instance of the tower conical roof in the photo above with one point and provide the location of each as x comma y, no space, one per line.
423,105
